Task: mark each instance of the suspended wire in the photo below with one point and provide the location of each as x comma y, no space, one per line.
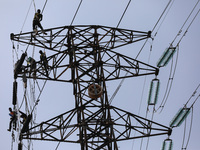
76,12
161,15
26,16
153,112
13,140
72,21
34,5
189,26
39,96
44,6
163,18
122,81
123,13
189,134
195,100
190,131
170,81
193,94
185,22
184,133
141,99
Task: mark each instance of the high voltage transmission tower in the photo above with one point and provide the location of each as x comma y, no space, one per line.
84,56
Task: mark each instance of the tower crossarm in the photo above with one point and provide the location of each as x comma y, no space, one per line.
115,66
124,124
82,35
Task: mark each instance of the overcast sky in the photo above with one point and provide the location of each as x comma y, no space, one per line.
141,15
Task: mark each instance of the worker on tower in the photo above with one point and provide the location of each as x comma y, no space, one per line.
32,64
23,116
36,21
13,119
44,61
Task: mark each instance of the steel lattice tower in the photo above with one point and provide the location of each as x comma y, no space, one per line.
83,55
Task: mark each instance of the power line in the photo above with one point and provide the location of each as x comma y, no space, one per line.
34,4
120,84
123,13
76,12
26,17
185,22
161,15
44,6
171,76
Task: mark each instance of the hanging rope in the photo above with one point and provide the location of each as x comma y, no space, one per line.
36,103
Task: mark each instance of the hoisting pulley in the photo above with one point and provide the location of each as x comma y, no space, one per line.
95,91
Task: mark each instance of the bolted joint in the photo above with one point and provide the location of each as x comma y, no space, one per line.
149,34
12,36
169,132
157,71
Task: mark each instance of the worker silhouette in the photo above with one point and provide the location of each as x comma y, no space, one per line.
23,116
32,64
44,61
13,119
36,21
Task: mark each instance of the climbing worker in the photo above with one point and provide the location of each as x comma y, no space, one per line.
23,116
32,64
36,21
13,119
44,61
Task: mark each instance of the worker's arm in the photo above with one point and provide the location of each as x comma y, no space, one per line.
41,17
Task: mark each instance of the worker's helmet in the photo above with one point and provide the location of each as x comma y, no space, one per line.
29,59
38,11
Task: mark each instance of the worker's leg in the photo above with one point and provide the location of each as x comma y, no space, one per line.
10,124
34,25
39,25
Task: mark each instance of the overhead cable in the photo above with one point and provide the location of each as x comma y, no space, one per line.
34,5
76,12
26,17
189,26
123,13
120,84
170,81
161,15
163,18
185,21
44,6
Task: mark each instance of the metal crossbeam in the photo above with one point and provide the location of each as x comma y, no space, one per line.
115,66
83,37
125,126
